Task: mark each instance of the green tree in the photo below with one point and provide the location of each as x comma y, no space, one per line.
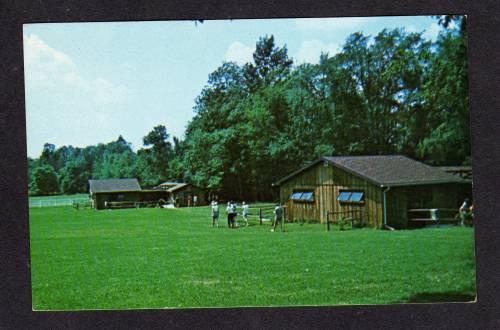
74,177
45,181
234,138
154,160
271,64
48,154
112,160
374,92
446,98
32,165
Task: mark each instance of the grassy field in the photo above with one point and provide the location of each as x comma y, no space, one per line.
154,258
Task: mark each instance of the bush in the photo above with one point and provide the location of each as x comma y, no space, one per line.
45,181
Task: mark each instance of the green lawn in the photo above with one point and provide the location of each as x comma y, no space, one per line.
140,258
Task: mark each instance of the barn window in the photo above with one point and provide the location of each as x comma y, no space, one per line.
302,196
349,196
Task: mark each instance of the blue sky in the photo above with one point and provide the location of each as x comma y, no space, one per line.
90,82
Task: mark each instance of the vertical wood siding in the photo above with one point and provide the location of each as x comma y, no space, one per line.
326,182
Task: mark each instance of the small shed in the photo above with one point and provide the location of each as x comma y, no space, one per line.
381,189
121,190
184,195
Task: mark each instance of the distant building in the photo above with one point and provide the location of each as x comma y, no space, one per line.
382,189
127,191
107,193
183,193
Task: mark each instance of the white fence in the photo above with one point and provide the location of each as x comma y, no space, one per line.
56,202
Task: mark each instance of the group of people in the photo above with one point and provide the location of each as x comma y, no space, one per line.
231,211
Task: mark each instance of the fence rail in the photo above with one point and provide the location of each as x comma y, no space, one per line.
56,202
265,213
435,215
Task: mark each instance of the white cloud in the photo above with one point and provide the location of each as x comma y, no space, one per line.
47,67
310,51
340,23
43,62
431,33
239,52
37,51
63,106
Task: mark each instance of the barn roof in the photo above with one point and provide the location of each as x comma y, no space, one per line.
386,170
113,185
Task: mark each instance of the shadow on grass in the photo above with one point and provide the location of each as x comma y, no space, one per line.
435,297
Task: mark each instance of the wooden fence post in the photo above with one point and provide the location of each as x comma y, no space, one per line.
260,216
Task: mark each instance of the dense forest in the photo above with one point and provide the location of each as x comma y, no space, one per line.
393,93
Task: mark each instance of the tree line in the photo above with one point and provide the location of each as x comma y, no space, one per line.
394,93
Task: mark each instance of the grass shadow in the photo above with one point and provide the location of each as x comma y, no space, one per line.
436,297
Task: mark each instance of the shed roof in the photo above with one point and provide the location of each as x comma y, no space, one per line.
168,183
178,186
386,170
113,185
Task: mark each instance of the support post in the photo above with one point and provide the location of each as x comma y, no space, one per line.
260,216
327,221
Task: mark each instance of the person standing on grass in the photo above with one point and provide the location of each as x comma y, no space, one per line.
233,214
244,212
278,216
215,213
189,200
228,211
195,200
464,211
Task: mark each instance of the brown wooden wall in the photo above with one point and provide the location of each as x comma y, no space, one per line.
181,196
397,207
128,196
326,183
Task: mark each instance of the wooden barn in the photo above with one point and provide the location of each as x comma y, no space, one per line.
124,191
382,191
